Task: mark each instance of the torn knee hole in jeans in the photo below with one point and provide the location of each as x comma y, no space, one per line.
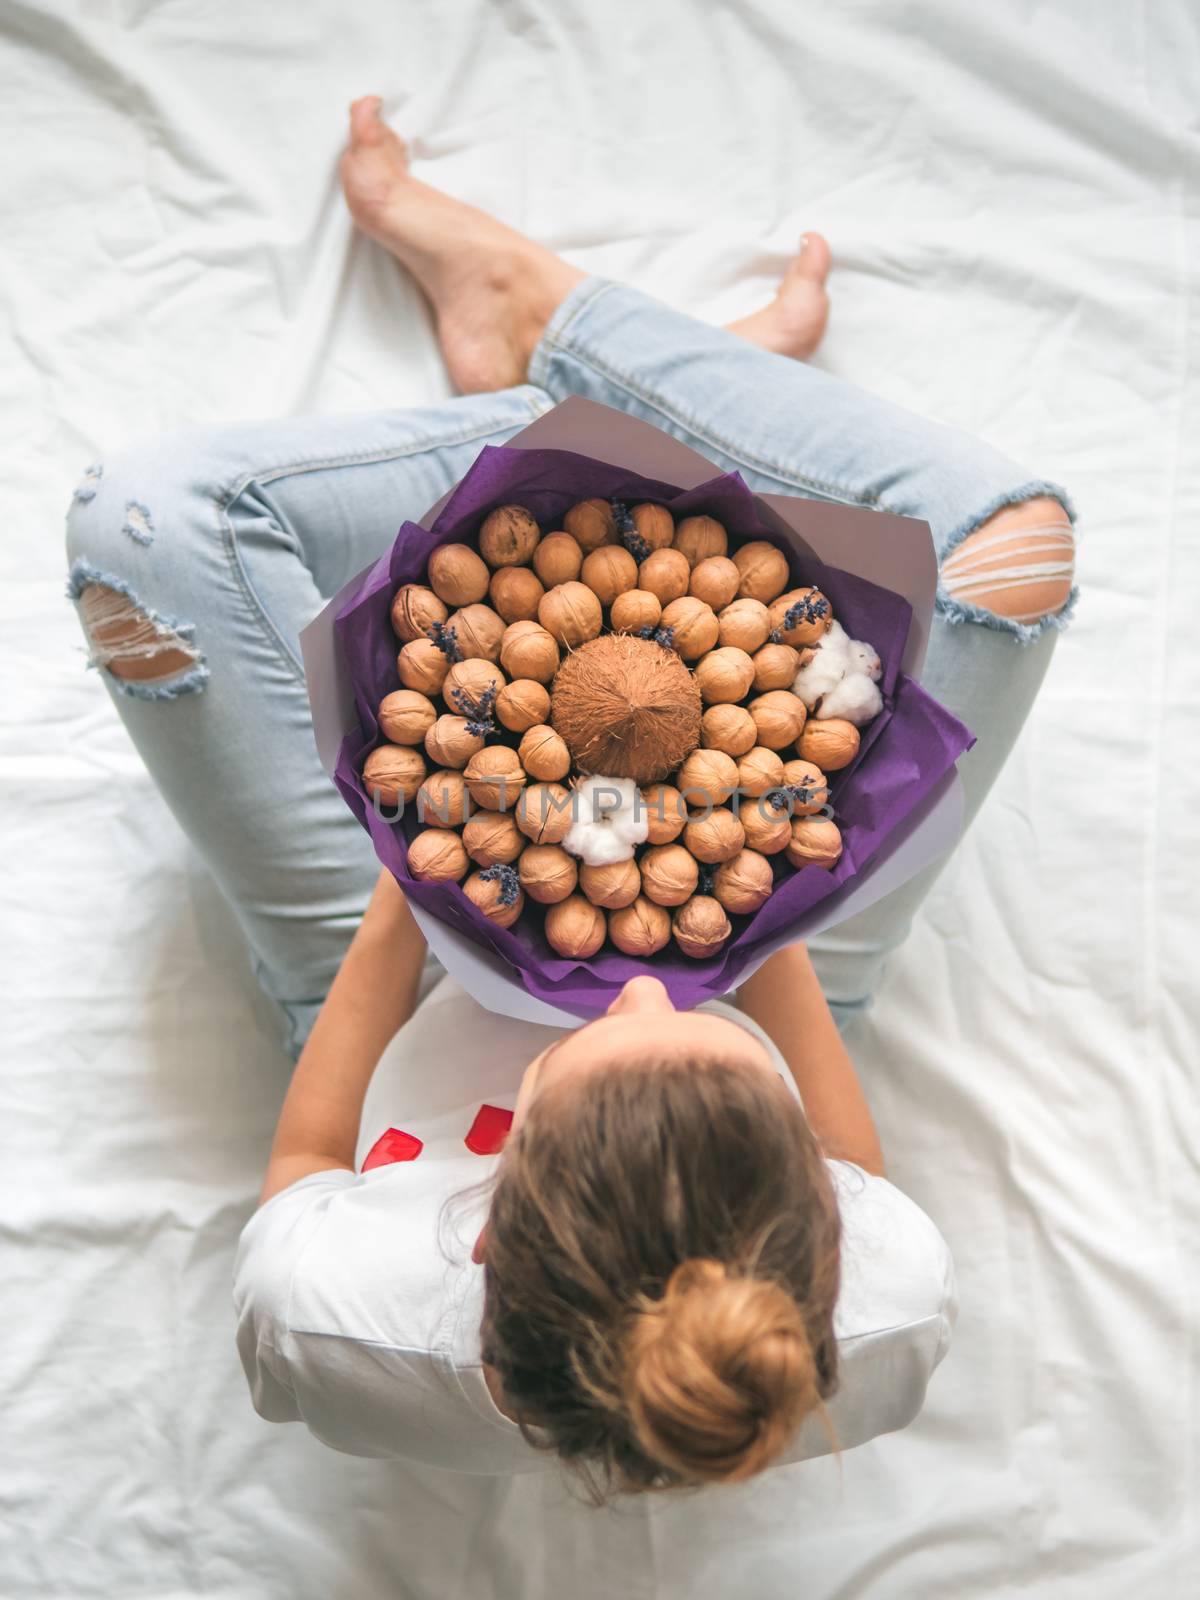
1018,570
152,656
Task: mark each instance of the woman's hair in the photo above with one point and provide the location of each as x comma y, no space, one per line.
660,1276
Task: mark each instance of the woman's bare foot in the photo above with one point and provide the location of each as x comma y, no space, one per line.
492,290
794,321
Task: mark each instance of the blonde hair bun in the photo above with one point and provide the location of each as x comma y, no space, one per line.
720,1372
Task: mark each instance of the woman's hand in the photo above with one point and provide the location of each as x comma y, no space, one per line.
784,997
370,1000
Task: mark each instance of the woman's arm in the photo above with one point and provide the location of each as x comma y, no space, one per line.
785,999
372,996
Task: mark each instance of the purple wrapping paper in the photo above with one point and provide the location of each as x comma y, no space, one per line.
906,751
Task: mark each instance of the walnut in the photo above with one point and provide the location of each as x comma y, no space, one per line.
665,574
700,927
393,773
414,611
516,593
544,812
422,666
714,581
548,874
558,559
802,778
495,777
728,728
745,625
767,829
405,716
522,704
698,538
664,811
707,778
830,745
669,874
775,667
478,631
635,610
692,624
724,675
641,929
716,837
467,683
450,742
492,837
437,856
442,800
779,716
744,882
760,769
571,613
762,571
528,651
457,574
815,842
654,525
575,928
591,523
508,537
608,572
543,754
496,896
809,612
612,885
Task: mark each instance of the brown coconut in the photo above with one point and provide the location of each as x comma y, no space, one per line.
626,707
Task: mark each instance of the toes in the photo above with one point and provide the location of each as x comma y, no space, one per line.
365,126
813,260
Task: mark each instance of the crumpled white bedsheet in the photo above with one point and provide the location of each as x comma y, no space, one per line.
1011,195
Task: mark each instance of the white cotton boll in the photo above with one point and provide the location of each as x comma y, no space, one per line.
855,699
864,658
610,819
828,666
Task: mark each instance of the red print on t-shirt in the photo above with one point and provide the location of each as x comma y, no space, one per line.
489,1130
394,1145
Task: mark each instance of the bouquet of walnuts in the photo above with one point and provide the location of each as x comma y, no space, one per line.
607,721
597,724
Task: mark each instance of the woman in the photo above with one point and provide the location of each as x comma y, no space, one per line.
687,1245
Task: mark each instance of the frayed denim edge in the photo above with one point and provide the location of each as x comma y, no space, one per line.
956,611
190,680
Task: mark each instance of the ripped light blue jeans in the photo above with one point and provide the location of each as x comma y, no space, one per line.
223,542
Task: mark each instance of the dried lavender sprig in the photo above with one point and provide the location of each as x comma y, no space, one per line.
806,609
803,793
627,531
506,877
446,639
662,636
478,712
706,880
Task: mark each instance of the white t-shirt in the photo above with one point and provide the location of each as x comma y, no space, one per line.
359,1316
